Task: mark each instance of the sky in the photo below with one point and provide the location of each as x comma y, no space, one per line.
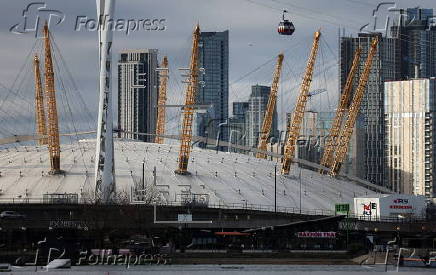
253,41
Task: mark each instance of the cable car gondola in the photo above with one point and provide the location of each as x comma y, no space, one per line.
286,27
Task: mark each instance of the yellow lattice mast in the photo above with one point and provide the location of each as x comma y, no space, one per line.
188,110
50,95
298,114
345,136
333,137
41,128
163,79
269,113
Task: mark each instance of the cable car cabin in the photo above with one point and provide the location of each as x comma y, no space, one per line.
286,28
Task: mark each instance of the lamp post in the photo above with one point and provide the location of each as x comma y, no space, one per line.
271,143
219,133
230,139
275,188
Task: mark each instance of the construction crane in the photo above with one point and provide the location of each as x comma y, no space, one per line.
268,119
346,133
50,94
188,111
163,79
332,139
298,114
41,128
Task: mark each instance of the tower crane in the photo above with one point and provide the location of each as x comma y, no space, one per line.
298,114
41,128
267,121
346,133
50,93
188,111
332,139
163,79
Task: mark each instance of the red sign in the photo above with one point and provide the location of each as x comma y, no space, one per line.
400,206
330,235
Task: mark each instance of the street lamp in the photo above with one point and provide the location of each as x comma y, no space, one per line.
219,133
230,139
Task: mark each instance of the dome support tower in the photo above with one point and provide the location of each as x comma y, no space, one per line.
298,114
41,127
188,110
50,93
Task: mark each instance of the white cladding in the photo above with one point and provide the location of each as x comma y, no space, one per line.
224,178
390,206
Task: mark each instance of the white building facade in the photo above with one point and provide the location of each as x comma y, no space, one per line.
410,109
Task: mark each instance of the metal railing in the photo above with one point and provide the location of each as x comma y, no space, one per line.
240,206
231,206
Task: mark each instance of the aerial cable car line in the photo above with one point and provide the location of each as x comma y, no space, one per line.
318,16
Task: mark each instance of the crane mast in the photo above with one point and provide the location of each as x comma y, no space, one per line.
50,93
41,128
346,133
268,119
332,139
298,114
163,79
188,110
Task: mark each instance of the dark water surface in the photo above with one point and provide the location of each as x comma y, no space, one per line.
226,270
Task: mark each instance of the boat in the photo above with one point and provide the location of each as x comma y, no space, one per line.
59,263
432,260
5,267
413,261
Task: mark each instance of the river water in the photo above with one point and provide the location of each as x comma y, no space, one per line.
226,270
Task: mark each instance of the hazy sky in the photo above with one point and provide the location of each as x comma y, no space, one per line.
253,38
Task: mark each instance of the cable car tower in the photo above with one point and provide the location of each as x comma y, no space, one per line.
104,155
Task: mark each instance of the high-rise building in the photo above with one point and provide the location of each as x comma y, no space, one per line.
237,130
214,58
137,93
410,42
410,115
255,114
417,34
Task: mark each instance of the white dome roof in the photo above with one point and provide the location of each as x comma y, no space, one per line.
226,178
